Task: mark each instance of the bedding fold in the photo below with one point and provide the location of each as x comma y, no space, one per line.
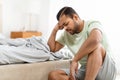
34,49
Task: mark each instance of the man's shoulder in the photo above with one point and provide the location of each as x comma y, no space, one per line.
92,21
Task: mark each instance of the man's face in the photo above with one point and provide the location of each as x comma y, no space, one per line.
69,24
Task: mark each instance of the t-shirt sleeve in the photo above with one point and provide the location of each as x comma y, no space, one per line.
94,25
61,39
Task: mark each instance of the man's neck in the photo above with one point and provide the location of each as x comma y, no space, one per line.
81,25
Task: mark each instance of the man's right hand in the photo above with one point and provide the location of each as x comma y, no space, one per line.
58,27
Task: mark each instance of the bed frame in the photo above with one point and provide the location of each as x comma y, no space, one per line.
31,71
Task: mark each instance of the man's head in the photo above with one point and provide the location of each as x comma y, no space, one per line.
68,11
69,20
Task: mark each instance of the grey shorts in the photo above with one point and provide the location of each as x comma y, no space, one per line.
107,71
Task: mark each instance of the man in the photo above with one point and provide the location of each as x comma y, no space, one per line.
87,42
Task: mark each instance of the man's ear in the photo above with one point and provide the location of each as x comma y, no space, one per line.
75,17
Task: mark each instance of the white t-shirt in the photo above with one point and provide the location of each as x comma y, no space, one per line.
74,42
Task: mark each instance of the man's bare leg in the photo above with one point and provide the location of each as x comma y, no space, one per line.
95,60
58,75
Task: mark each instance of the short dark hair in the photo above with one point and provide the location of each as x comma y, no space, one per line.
68,11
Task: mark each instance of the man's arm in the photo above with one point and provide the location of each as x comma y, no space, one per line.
54,45
89,45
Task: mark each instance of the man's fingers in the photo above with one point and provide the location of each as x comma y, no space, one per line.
61,27
72,77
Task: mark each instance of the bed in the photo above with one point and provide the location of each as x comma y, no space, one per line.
31,71
29,59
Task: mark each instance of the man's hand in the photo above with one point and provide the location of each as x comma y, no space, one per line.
73,70
58,27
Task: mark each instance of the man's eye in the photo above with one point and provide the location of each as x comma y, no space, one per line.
66,24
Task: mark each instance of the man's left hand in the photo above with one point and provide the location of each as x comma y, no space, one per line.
73,70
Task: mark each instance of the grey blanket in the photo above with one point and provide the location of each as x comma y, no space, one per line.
34,49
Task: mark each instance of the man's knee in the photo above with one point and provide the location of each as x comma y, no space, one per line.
57,75
101,49
52,75
98,53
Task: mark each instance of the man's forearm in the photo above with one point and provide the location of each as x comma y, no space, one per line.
51,41
86,48
89,45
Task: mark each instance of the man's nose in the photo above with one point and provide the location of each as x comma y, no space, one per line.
65,27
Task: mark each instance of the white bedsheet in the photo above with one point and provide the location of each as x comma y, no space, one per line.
32,49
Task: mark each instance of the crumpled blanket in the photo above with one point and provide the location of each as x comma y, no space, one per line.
34,49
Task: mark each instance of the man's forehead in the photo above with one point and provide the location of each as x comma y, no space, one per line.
62,20
60,23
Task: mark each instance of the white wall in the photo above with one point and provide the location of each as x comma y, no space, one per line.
0,16
17,14
44,17
13,15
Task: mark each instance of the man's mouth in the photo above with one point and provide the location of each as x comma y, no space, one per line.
70,32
